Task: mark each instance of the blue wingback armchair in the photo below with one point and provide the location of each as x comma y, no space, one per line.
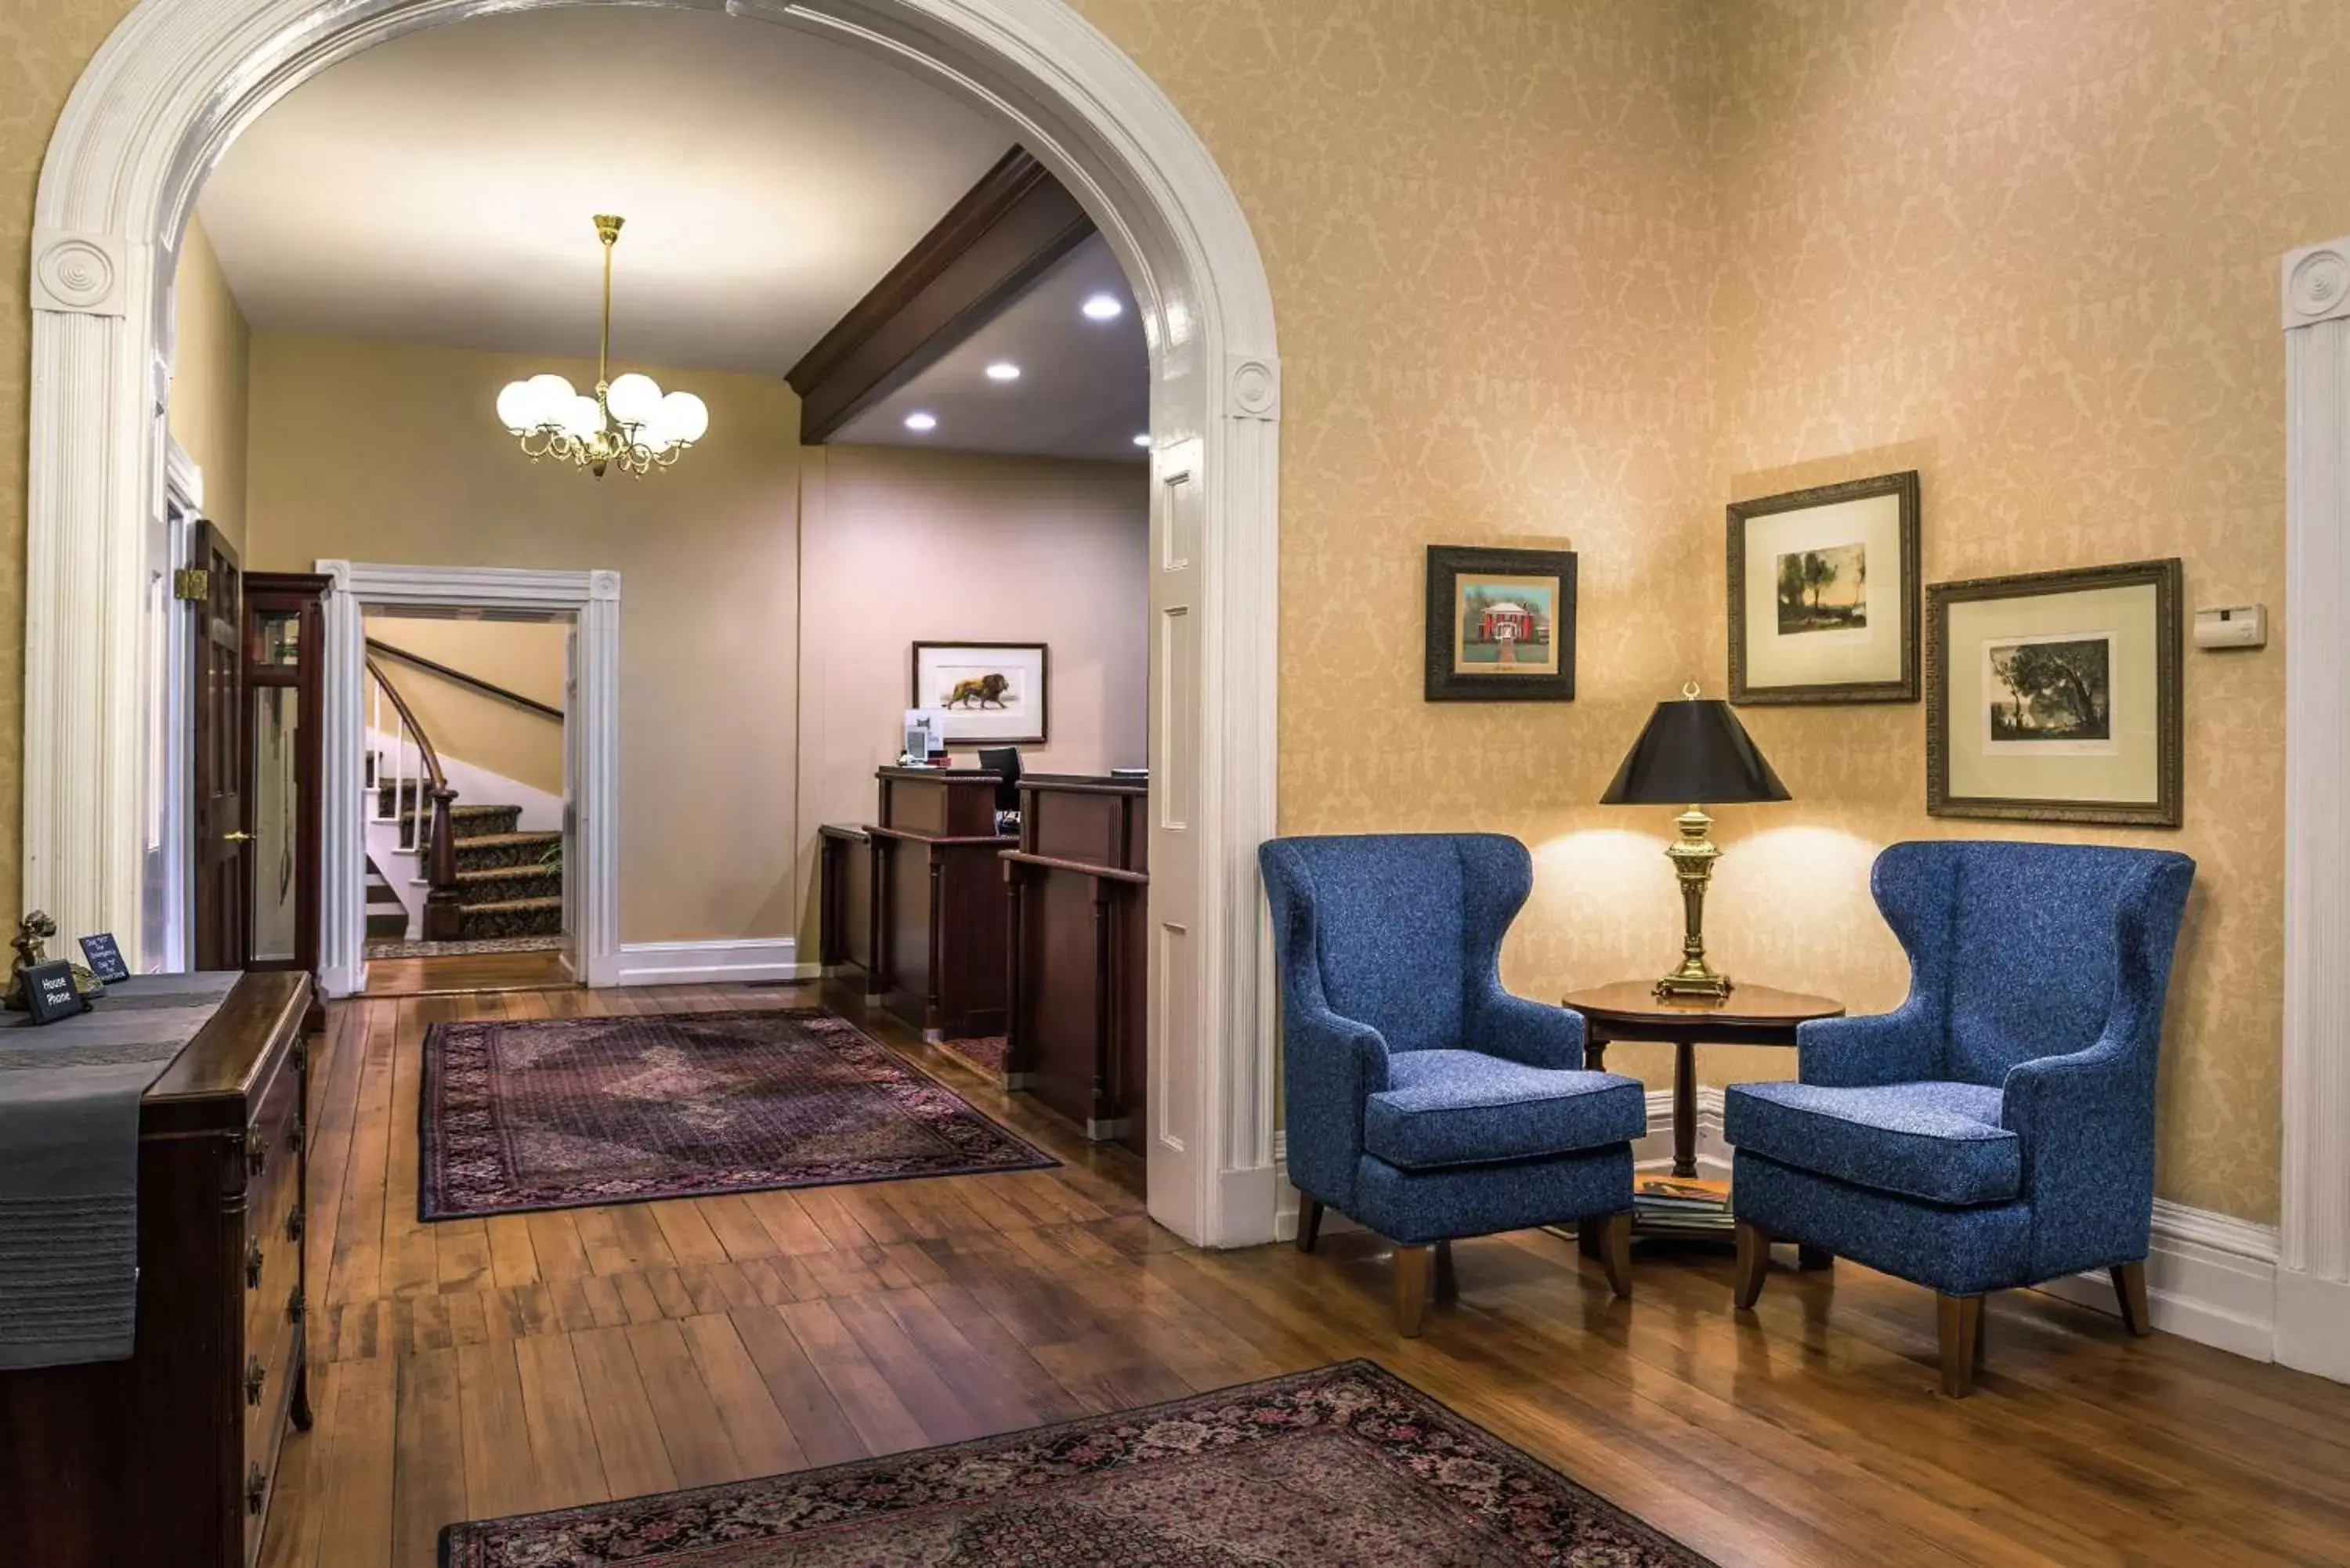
1997,1129
1422,1099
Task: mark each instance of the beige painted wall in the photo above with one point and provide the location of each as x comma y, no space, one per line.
708,569
524,656
1495,233
899,545
2031,252
210,365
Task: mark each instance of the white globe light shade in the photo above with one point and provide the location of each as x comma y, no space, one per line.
684,418
583,418
552,395
633,399
518,407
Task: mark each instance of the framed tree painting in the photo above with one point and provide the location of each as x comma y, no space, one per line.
994,693
2055,697
1501,624
1823,593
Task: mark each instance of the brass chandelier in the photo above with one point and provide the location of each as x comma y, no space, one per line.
629,423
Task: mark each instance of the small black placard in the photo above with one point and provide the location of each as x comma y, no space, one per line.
104,958
50,992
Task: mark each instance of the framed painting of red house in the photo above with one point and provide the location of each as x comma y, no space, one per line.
1501,624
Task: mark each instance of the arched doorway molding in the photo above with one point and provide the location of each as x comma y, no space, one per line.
171,89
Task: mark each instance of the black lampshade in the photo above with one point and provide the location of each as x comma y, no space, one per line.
1694,751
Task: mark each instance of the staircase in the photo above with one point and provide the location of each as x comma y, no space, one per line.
509,883
503,880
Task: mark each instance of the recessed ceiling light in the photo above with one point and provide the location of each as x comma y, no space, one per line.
1142,439
1004,371
1103,308
922,421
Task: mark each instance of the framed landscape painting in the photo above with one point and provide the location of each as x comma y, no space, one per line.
991,693
2055,696
1501,624
1823,593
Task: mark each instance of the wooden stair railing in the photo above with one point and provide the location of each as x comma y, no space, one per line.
428,823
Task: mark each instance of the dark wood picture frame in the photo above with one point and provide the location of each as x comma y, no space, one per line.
1446,564
2168,578
1904,485
1044,653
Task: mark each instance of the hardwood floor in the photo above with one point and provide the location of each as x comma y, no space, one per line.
477,1367
451,974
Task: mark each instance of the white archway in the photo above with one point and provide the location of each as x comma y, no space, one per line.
171,89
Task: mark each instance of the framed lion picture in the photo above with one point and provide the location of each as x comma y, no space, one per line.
992,692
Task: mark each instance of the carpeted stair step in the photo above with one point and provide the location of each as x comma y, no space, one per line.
500,884
482,821
496,851
512,918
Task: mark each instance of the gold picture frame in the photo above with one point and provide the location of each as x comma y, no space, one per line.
1817,612
2056,696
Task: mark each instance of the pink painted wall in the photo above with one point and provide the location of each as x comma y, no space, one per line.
899,545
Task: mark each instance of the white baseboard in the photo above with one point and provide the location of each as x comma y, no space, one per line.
723,962
2313,1323
2211,1278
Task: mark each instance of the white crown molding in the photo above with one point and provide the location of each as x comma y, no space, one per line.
729,962
178,79
2313,1290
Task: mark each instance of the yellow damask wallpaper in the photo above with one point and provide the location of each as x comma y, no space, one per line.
1582,271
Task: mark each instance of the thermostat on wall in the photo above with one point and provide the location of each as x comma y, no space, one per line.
2234,625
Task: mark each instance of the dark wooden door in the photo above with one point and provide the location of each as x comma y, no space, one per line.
220,870
284,623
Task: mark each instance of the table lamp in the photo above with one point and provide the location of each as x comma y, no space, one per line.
1692,751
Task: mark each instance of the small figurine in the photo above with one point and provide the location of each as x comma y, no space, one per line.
33,933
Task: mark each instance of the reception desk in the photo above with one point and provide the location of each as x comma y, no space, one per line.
936,942
1076,890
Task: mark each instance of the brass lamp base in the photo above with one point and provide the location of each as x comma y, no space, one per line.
1693,857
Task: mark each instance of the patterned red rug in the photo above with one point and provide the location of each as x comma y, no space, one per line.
1343,1466
520,1113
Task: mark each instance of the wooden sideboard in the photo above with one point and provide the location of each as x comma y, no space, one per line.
936,922
1077,891
169,1458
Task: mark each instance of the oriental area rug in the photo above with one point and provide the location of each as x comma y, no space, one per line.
560,1113
1344,1466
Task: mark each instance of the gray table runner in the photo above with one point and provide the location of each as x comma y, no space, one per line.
69,1096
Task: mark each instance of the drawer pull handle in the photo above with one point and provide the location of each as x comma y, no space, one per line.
296,1306
256,1489
253,1264
294,1136
255,1376
294,1223
256,1154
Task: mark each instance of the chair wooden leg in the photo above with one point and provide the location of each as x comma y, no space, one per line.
1410,1288
1958,1324
1616,1251
1753,1264
1448,1283
1309,1223
2129,1284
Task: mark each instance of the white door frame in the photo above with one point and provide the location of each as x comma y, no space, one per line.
178,80
591,871
2313,1277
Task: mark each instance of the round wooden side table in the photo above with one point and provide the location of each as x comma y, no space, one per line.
1629,1010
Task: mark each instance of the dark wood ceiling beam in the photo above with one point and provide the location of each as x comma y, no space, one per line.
993,243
